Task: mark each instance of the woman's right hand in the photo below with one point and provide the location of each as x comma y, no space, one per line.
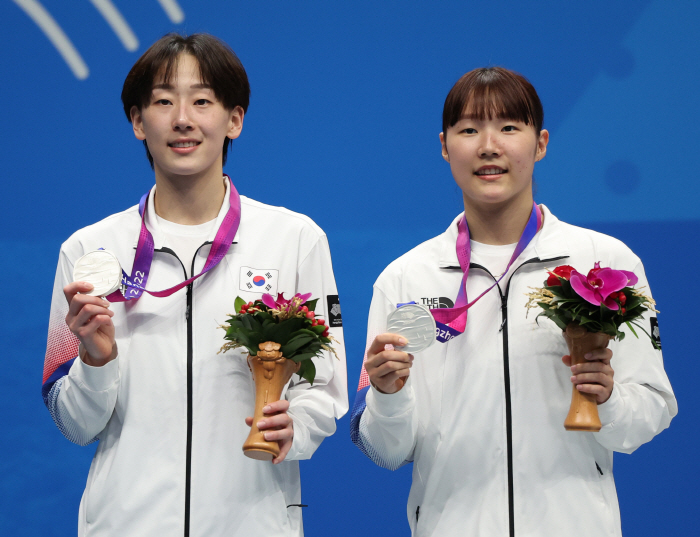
388,369
90,319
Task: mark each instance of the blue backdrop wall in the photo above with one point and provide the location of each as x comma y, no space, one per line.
343,126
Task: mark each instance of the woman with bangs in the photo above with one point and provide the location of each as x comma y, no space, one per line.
480,412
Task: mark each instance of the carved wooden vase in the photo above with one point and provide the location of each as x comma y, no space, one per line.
271,372
583,413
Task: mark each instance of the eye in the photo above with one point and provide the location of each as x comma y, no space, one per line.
509,128
164,102
202,102
469,130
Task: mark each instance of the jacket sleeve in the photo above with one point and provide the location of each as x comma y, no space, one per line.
642,402
314,408
80,398
382,425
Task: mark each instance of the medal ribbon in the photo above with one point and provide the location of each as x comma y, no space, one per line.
452,321
135,285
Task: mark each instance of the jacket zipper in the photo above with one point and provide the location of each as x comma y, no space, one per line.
188,449
506,380
188,456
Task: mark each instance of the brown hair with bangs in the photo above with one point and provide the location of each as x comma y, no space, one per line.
219,67
493,92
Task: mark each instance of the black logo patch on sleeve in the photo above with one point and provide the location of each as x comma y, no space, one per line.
655,335
335,319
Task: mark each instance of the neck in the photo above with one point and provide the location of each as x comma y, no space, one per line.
498,225
191,200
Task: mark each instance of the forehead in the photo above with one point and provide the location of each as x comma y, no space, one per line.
184,67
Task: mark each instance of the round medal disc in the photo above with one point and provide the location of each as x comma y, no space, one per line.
101,268
415,323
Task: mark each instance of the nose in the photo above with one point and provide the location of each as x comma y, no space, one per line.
489,146
181,120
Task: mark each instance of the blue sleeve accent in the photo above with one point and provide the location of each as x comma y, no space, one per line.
357,409
375,454
50,392
61,372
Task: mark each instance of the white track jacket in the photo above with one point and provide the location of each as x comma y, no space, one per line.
169,411
481,416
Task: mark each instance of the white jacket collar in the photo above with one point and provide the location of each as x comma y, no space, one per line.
548,243
152,221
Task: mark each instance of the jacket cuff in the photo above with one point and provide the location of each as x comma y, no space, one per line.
96,379
390,405
612,408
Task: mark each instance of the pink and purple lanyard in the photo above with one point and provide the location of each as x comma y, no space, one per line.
135,285
451,322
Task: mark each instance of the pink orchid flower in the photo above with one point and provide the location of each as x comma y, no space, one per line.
600,283
281,301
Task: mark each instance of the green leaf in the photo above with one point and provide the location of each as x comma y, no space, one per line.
238,303
632,329
303,356
311,304
296,343
307,371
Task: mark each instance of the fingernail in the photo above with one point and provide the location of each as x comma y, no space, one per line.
402,341
262,423
265,436
266,409
588,356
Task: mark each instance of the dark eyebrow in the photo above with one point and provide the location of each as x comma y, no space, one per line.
170,86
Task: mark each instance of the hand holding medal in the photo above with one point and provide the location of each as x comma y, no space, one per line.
410,328
95,275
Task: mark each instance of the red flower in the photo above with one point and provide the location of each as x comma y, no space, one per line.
562,271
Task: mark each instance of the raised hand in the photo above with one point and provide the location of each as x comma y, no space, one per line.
90,319
388,369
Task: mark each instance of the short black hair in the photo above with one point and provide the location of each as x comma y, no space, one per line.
219,67
493,92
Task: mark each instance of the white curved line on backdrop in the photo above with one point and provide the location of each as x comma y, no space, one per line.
56,35
172,10
117,22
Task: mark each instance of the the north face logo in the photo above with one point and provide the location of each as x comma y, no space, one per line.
437,302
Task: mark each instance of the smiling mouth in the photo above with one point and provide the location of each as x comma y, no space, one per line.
183,144
491,171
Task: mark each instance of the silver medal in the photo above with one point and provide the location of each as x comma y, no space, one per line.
415,323
101,268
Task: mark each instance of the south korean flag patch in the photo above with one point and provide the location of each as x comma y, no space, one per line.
259,280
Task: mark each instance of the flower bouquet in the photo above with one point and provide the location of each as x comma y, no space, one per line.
282,338
590,310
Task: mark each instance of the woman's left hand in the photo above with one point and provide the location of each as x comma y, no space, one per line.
595,376
277,426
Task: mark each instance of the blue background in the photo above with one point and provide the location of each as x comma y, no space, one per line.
343,126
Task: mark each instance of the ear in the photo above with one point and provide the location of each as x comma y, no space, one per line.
445,155
137,123
542,145
235,123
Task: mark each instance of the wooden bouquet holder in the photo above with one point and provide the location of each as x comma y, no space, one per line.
583,413
271,372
